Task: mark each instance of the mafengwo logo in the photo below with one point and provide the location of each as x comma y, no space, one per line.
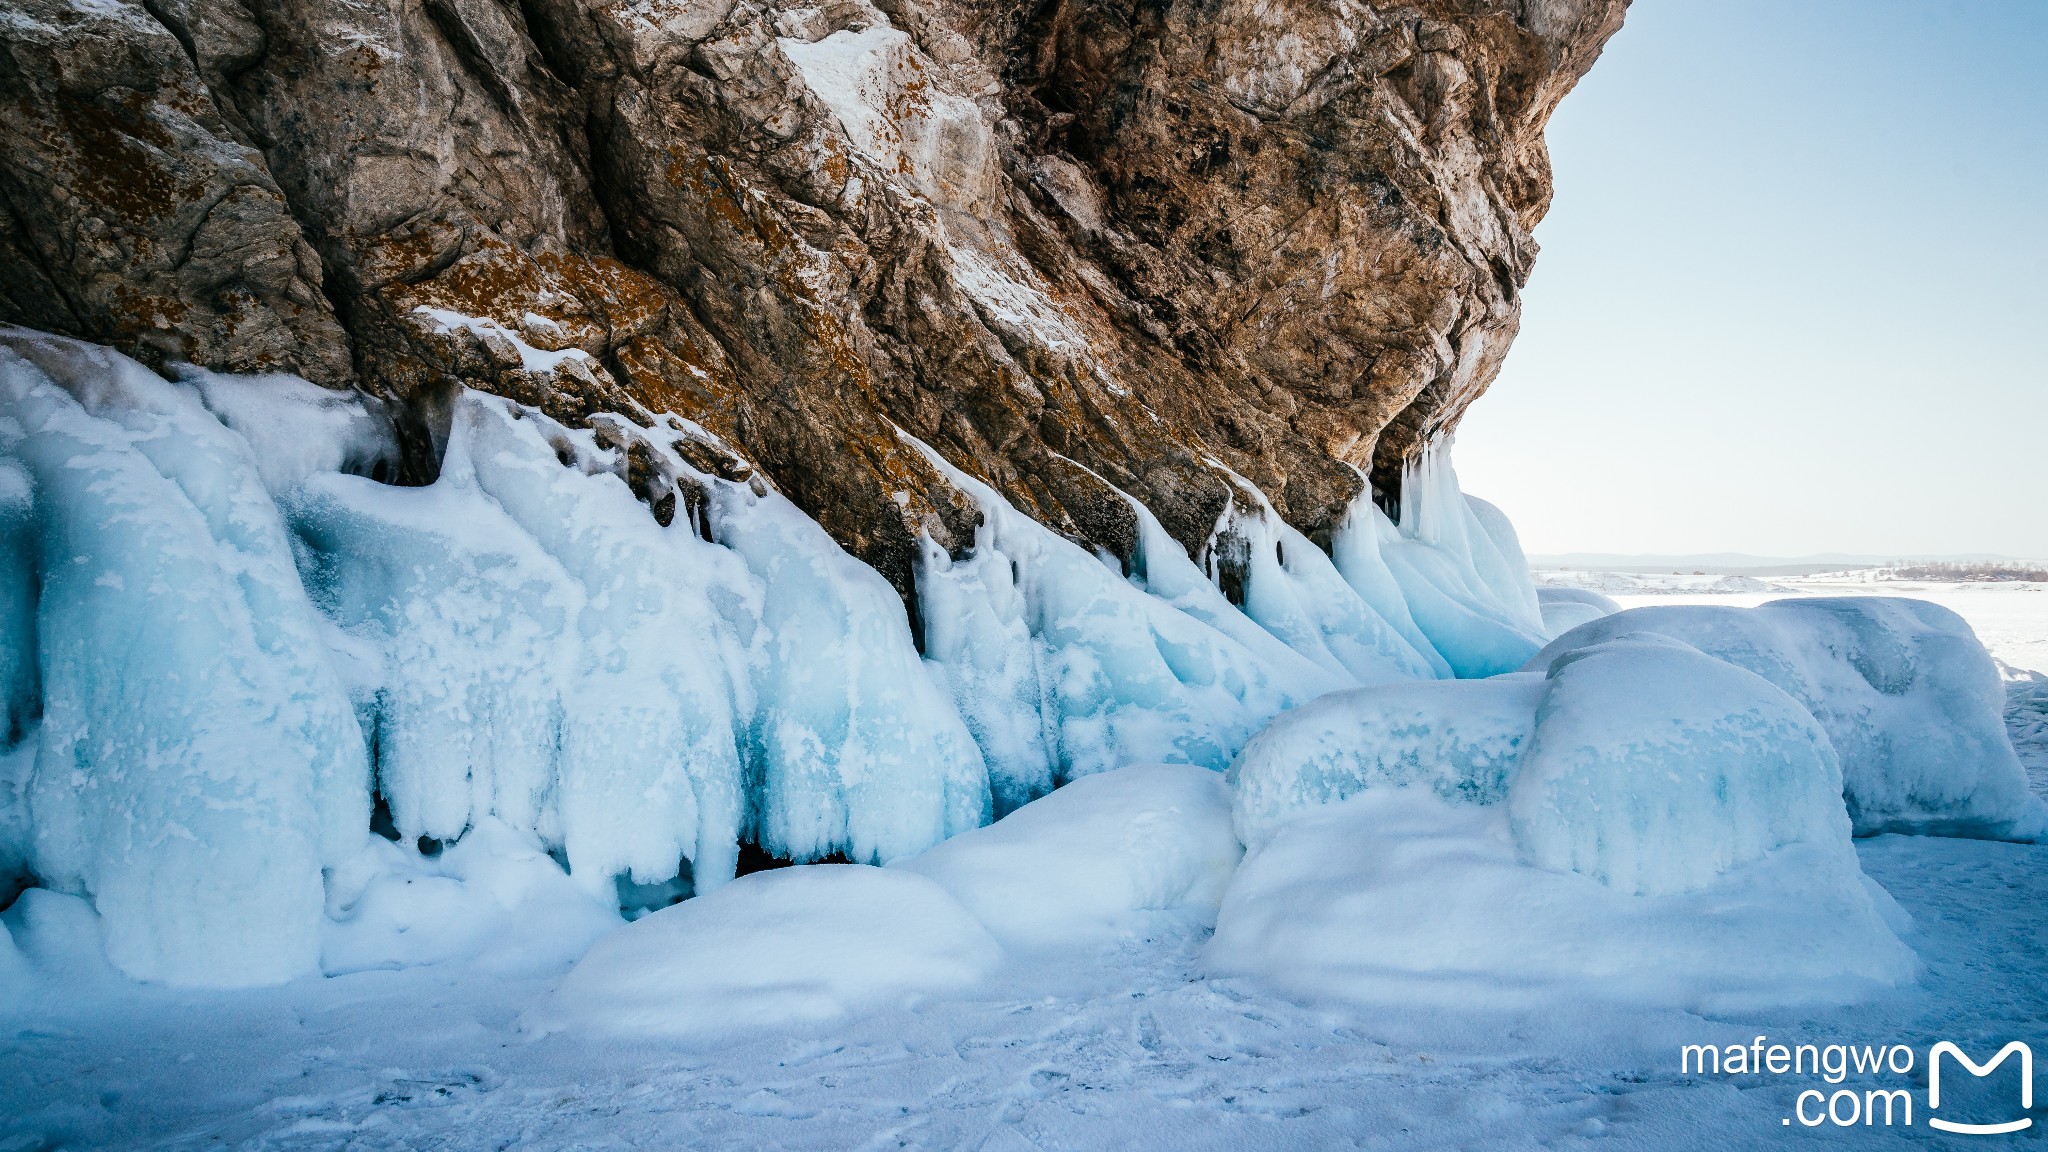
1883,1106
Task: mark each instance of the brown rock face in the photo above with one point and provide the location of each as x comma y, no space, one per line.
1074,246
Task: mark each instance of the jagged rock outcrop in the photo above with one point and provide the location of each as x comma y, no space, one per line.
1076,247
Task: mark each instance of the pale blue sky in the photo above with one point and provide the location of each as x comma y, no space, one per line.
1790,298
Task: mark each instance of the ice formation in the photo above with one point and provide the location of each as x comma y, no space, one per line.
1460,739
790,946
1452,570
1100,856
1910,700
569,688
210,762
1399,896
544,652
1033,624
1566,608
1622,824
1655,769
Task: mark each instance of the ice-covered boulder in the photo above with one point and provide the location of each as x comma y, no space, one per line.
1655,769
1566,608
1907,695
1096,857
1459,738
787,947
1398,896
1624,824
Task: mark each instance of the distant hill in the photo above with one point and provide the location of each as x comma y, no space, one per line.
1744,564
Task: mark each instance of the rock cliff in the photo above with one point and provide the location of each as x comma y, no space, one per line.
1176,250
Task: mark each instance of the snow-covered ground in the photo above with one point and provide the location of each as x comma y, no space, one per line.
1117,1043
1123,1049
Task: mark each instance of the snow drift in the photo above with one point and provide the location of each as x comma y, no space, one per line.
791,946
1103,855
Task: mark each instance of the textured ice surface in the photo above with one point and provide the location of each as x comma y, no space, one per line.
1397,896
1294,591
1123,677
1458,738
20,685
1452,570
859,750
295,429
1911,701
784,947
1095,858
197,760
1655,769
471,623
655,704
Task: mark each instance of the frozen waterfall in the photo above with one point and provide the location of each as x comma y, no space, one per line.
228,644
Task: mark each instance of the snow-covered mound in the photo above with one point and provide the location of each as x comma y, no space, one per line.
1655,769
1459,738
785,947
1638,761
1566,608
1589,828
1089,860
1910,700
494,899
1399,896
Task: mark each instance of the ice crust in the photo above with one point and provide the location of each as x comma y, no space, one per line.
1911,702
